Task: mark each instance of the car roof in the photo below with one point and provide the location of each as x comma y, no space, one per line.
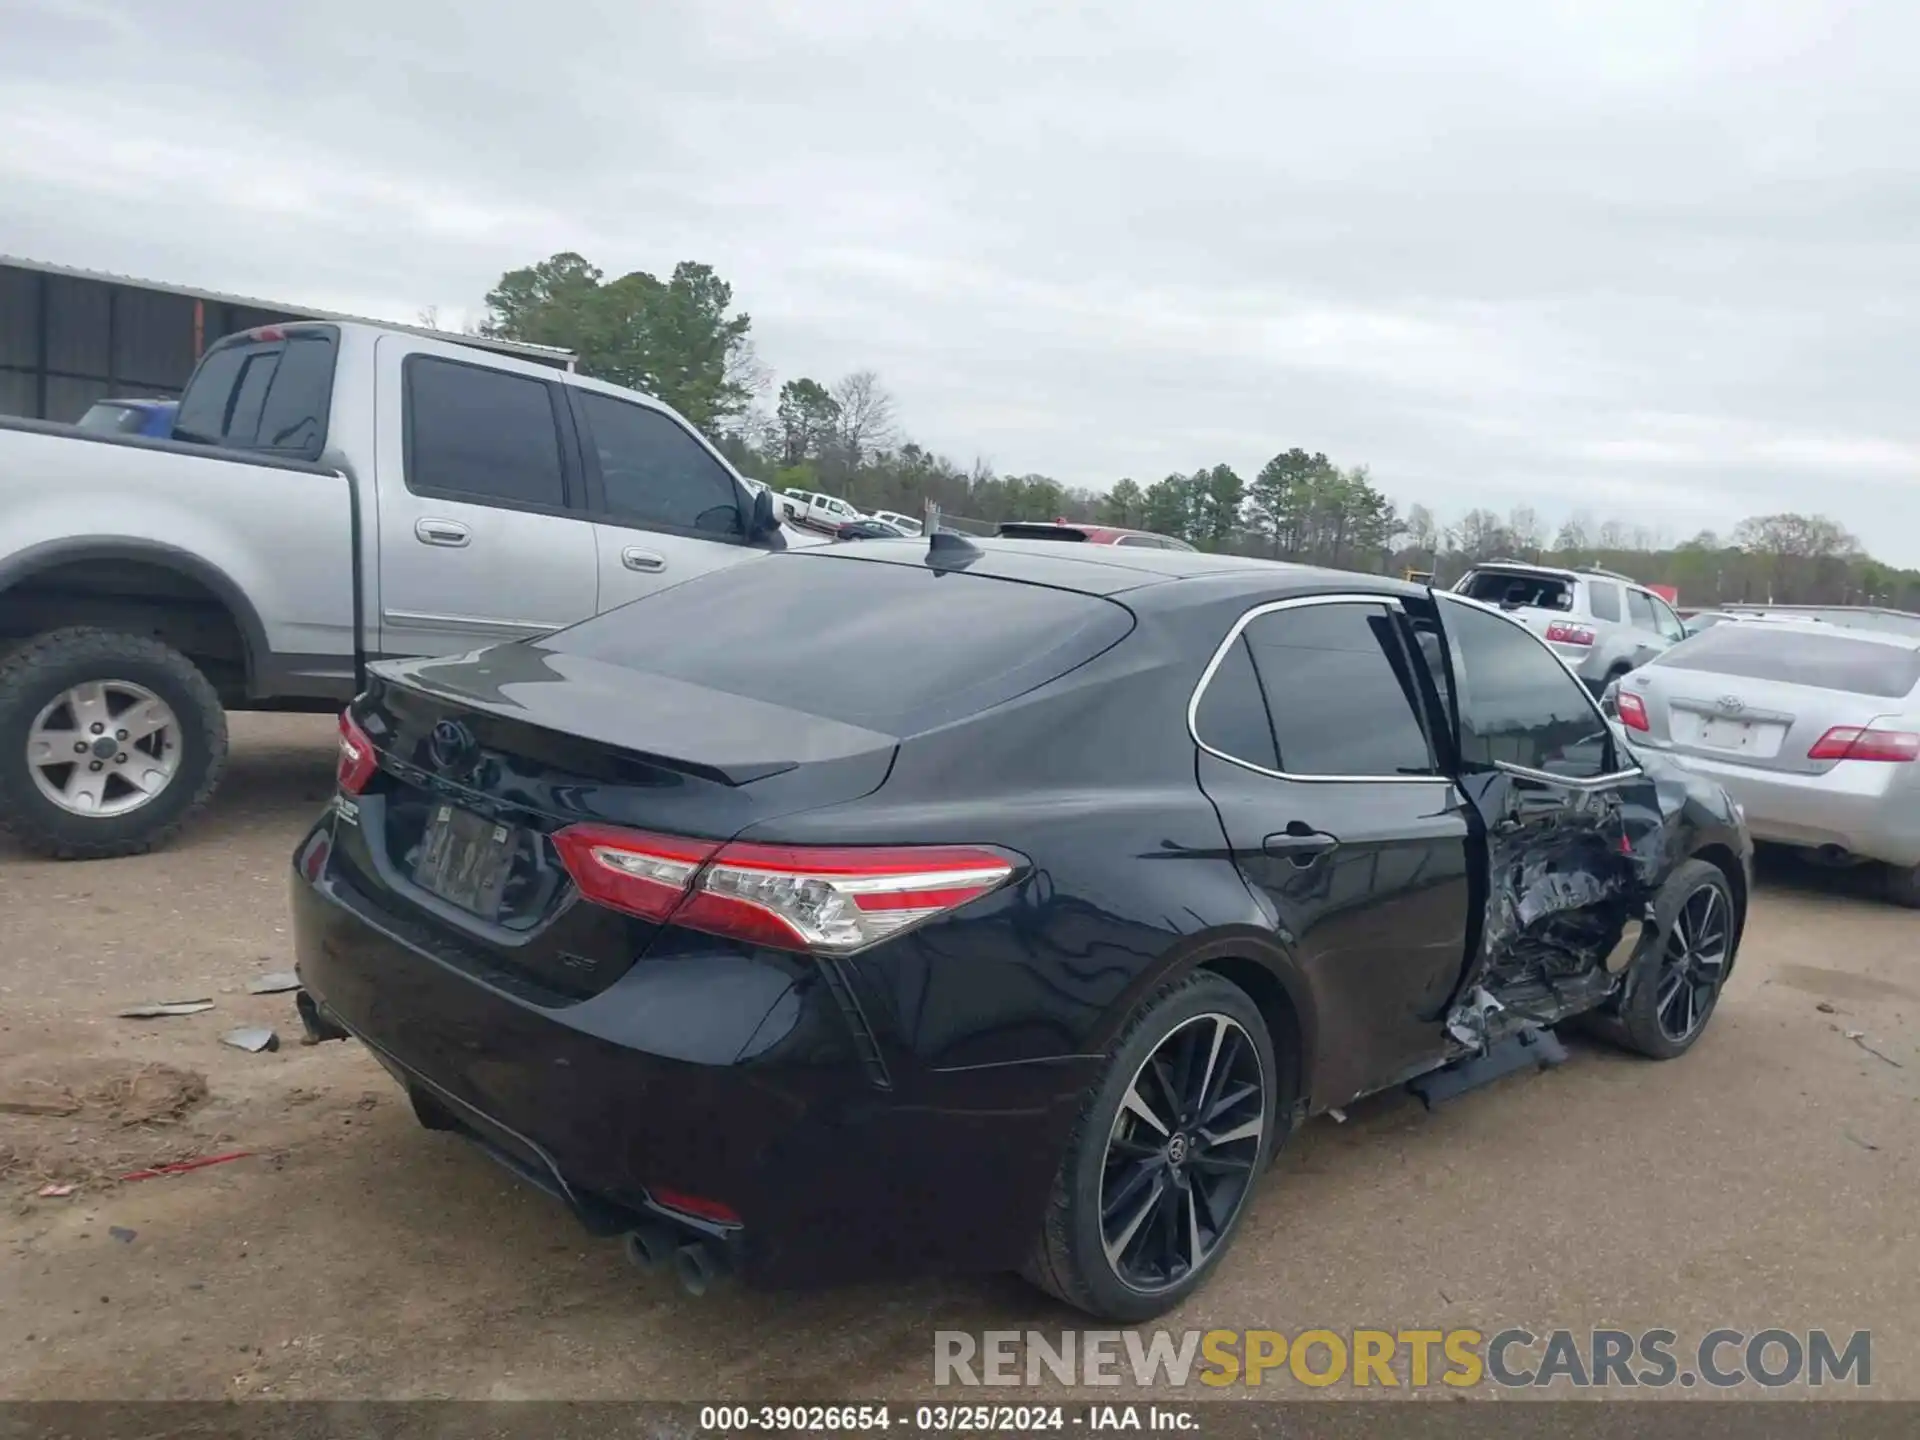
1109,570
1799,625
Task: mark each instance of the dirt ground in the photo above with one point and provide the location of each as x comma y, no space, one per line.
1767,1179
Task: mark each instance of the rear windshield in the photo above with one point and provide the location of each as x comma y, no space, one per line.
1773,652
892,648
1041,532
1511,590
267,394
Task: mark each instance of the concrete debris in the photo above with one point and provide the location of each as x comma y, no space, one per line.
165,1007
276,983
252,1038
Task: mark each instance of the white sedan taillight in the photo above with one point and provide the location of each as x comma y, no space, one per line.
828,899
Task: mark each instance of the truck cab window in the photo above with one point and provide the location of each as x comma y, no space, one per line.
267,395
653,472
481,434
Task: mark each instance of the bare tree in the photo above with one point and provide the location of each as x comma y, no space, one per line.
1523,525
866,415
428,318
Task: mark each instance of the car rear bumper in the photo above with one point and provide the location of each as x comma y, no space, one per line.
833,1176
1849,806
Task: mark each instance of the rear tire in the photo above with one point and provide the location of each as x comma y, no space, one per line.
1902,885
190,752
1674,982
1162,1165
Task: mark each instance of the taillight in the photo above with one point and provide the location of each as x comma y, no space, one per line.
357,761
1632,710
828,899
1564,634
1863,742
631,870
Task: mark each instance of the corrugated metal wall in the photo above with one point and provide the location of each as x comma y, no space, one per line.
66,342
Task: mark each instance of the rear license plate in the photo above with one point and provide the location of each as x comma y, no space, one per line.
465,859
1727,734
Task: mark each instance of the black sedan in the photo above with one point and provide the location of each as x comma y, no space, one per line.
1025,950
867,528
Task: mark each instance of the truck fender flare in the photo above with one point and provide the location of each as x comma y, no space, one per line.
36,559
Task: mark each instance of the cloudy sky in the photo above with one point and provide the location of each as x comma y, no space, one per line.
1653,261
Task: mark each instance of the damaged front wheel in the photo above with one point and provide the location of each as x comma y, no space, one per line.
1675,980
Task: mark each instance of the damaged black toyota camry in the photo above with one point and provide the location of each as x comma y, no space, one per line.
947,905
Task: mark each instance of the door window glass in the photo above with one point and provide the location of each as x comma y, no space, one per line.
654,472
1640,610
1340,691
1518,703
1603,600
481,433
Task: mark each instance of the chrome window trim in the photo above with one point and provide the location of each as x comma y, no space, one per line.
1384,601
1598,782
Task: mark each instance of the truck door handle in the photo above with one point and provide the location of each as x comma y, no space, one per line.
441,532
1300,843
635,558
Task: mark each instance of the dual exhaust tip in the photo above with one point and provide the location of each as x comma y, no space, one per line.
699,1265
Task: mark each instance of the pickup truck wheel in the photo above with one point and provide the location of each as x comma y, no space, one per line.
1675,980
1161,1166
109,743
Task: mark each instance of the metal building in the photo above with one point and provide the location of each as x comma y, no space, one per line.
70,337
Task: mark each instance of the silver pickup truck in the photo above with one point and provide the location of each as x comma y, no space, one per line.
332,494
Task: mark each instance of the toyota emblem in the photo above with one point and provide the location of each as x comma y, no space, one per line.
451,744
1732,704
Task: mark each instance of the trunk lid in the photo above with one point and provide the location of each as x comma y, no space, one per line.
485,757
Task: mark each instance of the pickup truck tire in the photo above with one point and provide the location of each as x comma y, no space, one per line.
36,674
1695,929
1116,1160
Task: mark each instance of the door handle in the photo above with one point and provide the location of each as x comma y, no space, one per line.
634,558
441,532
1300,843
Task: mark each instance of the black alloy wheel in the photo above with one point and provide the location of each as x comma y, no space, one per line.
1181,1155
1693,963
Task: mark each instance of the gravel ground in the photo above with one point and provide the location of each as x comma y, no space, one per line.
1764,1180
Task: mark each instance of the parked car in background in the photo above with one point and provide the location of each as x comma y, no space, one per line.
1813,728
1089,534
758,984
1707,619
152,418
331,493
825,513
1602,623
905,524
870,528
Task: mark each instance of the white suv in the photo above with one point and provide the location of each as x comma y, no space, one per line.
1601,623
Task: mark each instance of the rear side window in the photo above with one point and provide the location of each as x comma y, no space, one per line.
481,434
1603,600
654,472
1231,717
1515,589
1640,611
268,395
896,649
1774,652
1340,691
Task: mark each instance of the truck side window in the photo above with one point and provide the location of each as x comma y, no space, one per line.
481,434
654,472
1603,600
1640,610
1518,703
